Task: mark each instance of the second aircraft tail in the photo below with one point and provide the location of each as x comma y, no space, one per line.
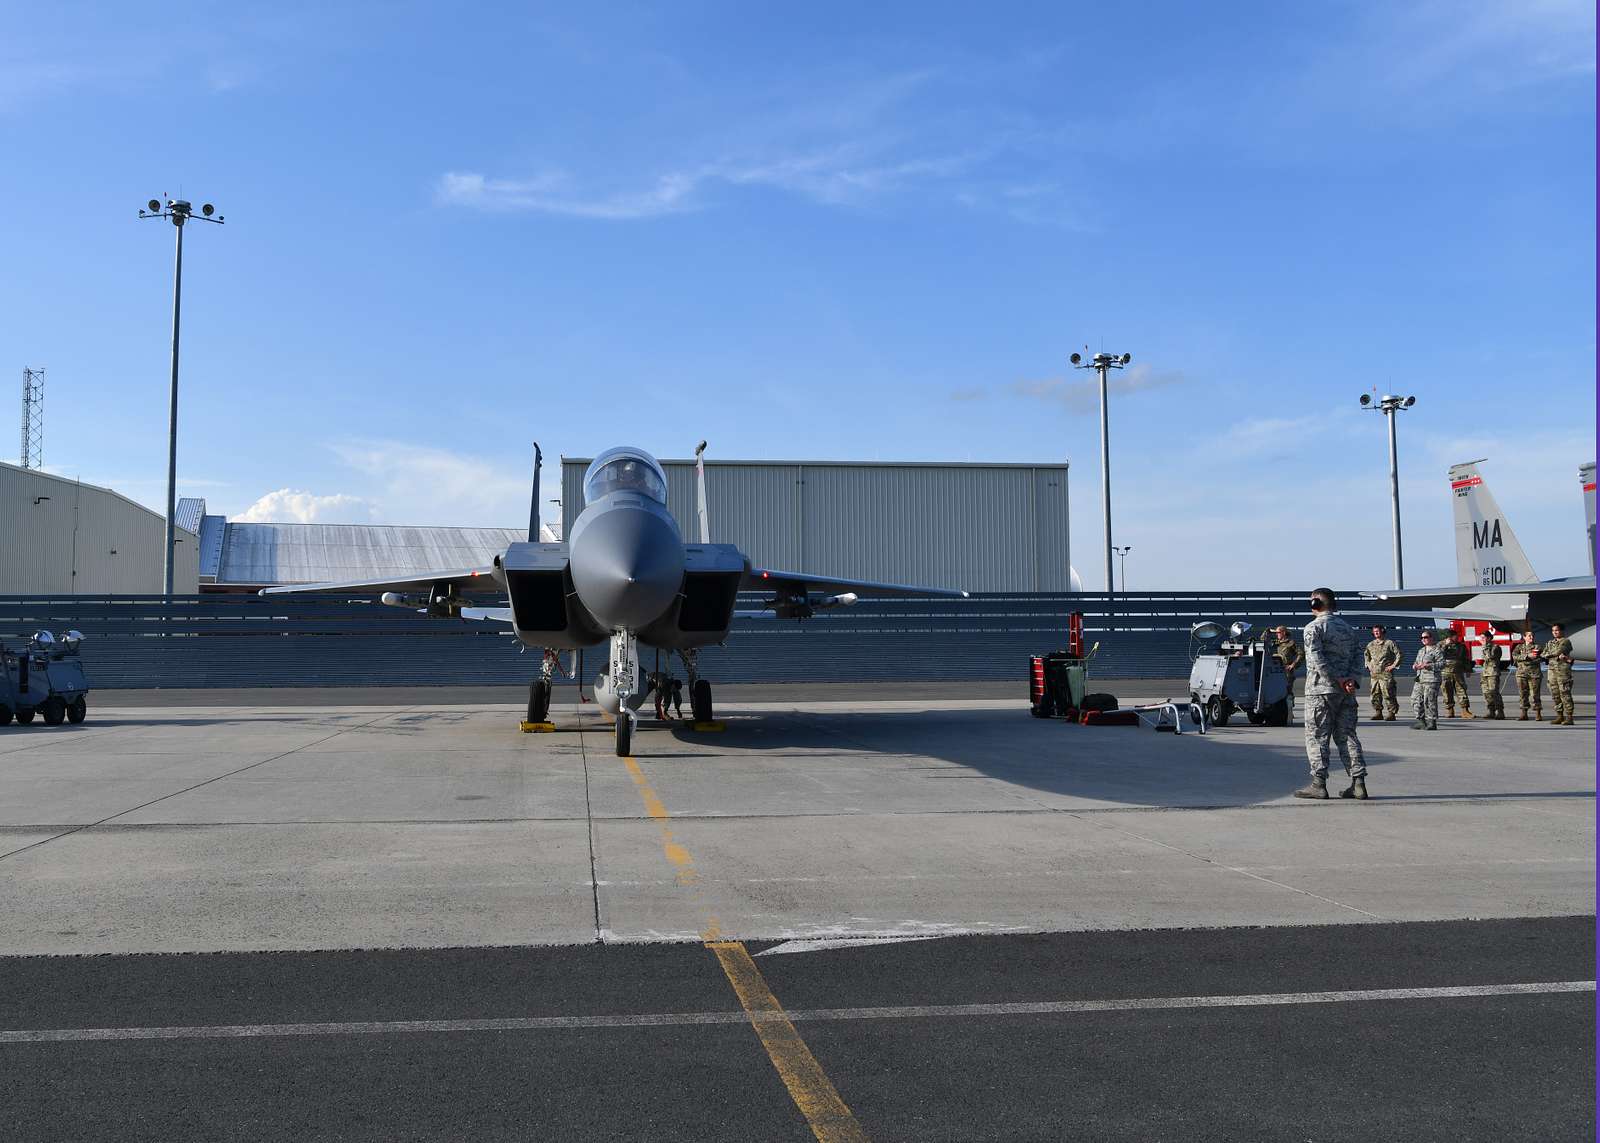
1487,551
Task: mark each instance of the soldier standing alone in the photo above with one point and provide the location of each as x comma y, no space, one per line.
1557,655
1425,693
1383,656
1526,657
1333,665
1289,654
1493,656
1457,664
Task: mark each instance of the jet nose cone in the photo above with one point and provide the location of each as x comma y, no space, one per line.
627,564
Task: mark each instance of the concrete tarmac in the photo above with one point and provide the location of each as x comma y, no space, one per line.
367,864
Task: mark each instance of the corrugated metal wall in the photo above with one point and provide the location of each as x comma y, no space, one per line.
51,528
246,641
977,527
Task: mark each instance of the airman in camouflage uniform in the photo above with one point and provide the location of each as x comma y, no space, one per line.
1557,656
1526,657
1383,656
1333,666
1493,657
1290,655
1457,665
1429,664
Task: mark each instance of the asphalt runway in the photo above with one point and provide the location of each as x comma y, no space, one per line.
882,918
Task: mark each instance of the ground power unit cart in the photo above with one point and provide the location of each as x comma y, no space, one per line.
45,679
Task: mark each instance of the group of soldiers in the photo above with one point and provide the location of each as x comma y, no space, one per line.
1444,662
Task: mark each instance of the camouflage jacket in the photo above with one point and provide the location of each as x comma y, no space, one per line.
1526,657
1558,654
1457,659
1332,653
1383,656
1289,653
1429,662
1493,654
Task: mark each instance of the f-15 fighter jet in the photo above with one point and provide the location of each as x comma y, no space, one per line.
623,576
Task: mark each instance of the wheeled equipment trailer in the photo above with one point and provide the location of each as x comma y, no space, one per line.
1240,676
44,680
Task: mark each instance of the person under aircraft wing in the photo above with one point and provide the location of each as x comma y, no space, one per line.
798,583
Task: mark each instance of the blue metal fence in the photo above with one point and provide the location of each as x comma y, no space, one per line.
247,641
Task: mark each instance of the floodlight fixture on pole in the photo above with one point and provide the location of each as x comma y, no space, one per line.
1389,406
1122,558
179,211
1103,363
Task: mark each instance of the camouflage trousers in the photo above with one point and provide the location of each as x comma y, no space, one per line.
1455,691
1333,718
1425,700
1383,694
1490,681
1560,692
1528,692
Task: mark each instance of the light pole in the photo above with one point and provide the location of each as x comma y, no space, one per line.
1389,407
1122,556
1103,363
180,212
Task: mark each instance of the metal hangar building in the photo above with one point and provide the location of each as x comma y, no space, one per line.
979,527
60,536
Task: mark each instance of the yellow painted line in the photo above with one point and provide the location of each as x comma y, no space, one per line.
813,1093
830,1120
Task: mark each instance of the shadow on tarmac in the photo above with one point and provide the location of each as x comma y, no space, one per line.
1127,765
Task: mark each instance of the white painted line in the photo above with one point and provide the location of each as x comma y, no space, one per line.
805,946
672,1019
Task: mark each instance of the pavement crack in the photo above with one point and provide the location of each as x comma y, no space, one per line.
197,785
588,807
1230,868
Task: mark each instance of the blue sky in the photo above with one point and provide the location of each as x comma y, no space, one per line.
844,231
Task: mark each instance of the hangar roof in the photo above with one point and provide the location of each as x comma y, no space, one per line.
267,554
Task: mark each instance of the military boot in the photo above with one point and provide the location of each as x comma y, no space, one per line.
1317,789
1389,717
1466,712
1420,724
1357,789
1523,717
1449,712
1433,725
1538,714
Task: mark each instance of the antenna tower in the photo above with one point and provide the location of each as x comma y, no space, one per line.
32,418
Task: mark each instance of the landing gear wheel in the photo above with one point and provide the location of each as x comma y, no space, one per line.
700,700
624,733
24,717
5,714
1217,711
77,710
54,710
539,700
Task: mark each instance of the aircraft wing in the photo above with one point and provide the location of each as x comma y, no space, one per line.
1448,596
463,579
768,579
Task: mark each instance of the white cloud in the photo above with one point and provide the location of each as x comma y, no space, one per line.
292,506
1082,390
418,484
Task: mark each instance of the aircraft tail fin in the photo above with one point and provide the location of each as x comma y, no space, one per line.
1487,551
700,493
533,510
1586,476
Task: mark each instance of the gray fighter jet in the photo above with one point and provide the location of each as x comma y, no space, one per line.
623,576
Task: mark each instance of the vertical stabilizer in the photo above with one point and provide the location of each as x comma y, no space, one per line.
700,492
534,535
1487,551
1586,476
